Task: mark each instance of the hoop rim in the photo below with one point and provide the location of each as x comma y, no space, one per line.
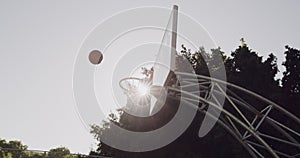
128,78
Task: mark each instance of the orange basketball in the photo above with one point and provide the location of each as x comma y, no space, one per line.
95,57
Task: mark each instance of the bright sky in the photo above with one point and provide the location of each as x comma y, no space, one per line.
40,40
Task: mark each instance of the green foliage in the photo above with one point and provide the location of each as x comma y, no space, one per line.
247,69
59,152
8,155
291,79
15,149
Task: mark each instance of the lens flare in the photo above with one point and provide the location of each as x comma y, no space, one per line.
143,89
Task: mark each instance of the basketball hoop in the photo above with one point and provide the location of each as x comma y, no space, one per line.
138,93
135,86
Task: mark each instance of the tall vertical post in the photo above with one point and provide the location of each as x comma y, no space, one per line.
174,38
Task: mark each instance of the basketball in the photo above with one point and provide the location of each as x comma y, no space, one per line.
95,57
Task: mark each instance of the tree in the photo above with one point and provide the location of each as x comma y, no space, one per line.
291,79
198,60
60,152
13,148
247,69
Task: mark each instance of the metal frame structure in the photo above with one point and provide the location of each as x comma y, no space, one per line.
259,128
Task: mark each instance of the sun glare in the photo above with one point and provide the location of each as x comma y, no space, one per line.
143,89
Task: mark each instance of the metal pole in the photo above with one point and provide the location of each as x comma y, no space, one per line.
174,38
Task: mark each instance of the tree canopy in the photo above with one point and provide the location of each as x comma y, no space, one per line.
15,149
291,80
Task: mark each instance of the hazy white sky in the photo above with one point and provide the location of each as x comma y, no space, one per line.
40,39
